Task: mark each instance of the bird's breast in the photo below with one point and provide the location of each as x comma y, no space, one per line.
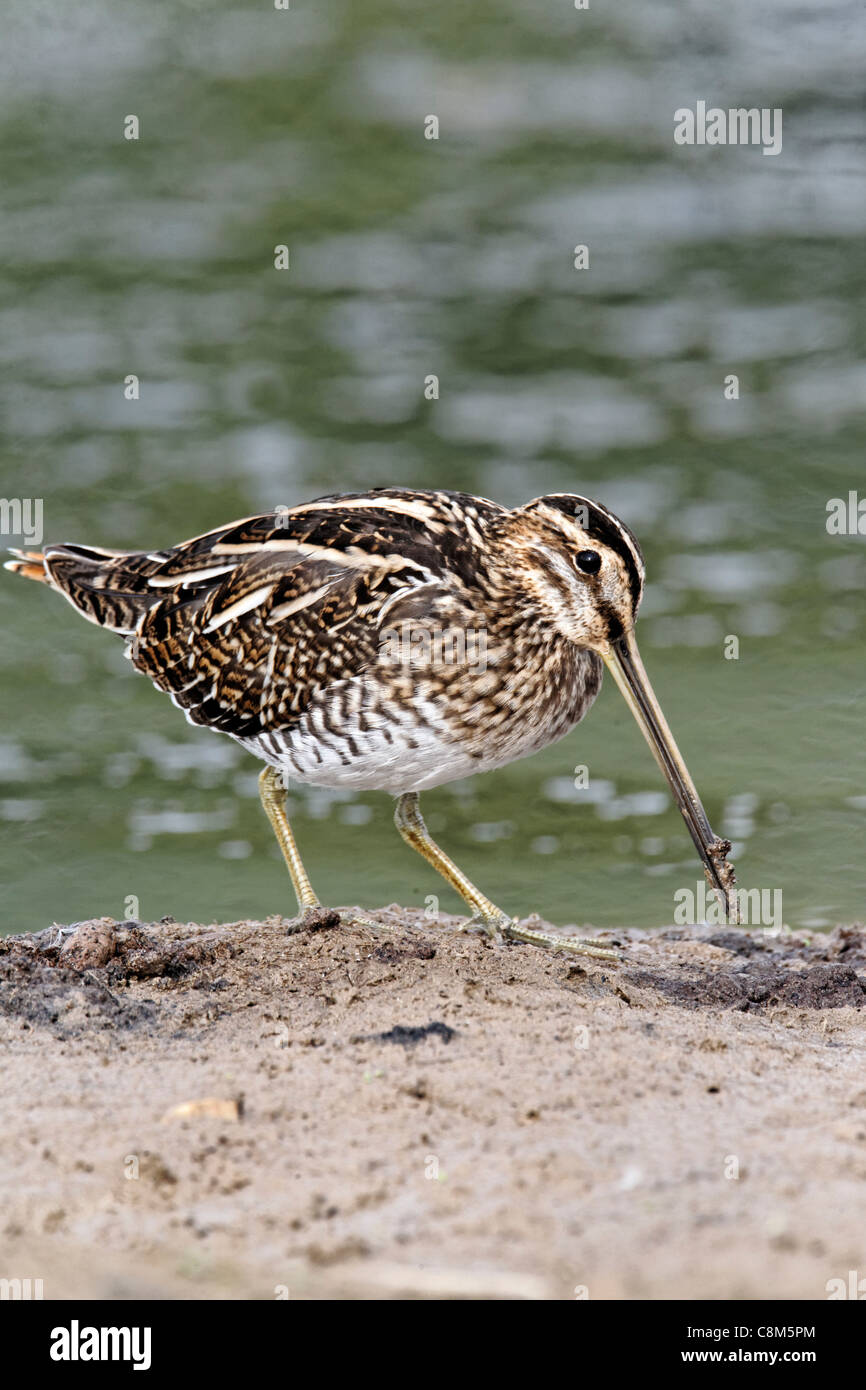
405,730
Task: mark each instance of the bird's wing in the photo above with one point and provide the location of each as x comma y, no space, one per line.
247,625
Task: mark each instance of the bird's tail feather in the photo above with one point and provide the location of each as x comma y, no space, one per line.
94,581
30,563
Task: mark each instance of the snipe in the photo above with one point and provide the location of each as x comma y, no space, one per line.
391,640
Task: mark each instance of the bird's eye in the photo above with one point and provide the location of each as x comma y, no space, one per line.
589,561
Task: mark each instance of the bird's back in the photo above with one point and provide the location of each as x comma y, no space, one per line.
359,639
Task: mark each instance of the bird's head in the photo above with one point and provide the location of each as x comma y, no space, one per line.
582,567
583,571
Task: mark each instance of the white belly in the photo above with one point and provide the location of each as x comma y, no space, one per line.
400,757
394,766
355,742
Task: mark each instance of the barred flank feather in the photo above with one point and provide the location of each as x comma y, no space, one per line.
272,627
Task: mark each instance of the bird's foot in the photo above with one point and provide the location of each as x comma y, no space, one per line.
357,918
315,917
502,927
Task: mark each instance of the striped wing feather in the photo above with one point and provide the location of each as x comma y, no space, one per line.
247,625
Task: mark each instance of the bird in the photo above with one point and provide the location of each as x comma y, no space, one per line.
391,640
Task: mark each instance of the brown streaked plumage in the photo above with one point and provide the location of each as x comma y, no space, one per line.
392,639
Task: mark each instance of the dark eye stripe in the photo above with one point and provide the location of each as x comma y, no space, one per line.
613,533
602,526
613,625
553,577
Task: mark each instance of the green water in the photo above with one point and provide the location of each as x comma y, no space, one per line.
411,257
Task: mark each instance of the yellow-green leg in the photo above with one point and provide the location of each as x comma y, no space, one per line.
273,798
272,795
410,824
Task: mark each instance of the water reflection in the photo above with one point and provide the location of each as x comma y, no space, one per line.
452,258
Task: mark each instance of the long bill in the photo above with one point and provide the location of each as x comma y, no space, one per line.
624,663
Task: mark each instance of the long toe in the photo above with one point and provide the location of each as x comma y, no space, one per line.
494,926
579,945
359,919
319,918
